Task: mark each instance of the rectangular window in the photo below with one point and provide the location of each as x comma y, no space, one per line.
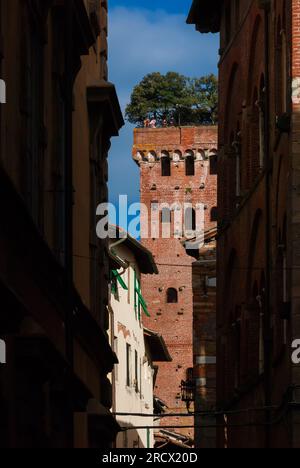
166,216
128,365
190,166
165,166
213,160
154,220
154,206
211,282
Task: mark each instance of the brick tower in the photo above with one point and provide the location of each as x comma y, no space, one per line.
178,166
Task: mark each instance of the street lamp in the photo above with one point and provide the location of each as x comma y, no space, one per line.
188,392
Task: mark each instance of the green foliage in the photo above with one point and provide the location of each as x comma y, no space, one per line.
174,97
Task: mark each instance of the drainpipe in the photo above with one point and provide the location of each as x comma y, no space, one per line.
268,319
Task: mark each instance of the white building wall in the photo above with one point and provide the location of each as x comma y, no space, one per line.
128,331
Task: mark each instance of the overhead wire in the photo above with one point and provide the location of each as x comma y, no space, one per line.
197,413
181,265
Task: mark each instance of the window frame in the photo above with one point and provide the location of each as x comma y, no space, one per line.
190,169
166,170
128,365
176,300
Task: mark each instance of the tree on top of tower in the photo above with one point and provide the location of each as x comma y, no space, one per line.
174,98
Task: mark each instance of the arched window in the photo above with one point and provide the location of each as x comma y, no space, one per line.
165,166
172,296
190,219
213,164
190,166
166,216
214,214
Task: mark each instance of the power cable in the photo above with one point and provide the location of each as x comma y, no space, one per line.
179,265
286,406
211,426
198,413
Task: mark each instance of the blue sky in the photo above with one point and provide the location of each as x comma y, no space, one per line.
170,6
147,36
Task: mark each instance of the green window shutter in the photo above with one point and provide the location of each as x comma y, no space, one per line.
119,279
142,303
113,282
135,295
138,291
139,301
113,287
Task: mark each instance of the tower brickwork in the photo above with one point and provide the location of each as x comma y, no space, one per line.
178,168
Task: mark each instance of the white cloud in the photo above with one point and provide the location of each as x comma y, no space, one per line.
141,42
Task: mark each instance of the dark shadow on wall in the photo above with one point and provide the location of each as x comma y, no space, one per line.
129,437
204,307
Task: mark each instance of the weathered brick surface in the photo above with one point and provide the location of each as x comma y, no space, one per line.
245,325
175,321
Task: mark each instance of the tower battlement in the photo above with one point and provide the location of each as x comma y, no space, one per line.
177,143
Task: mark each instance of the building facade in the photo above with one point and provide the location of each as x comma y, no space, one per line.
258,238
178,192
205,351
56,125
136,347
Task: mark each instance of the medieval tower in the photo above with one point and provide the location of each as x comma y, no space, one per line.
178,169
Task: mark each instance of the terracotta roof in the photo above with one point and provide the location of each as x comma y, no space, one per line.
157,345
207,237
143,256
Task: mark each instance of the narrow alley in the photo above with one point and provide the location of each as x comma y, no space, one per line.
150,234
